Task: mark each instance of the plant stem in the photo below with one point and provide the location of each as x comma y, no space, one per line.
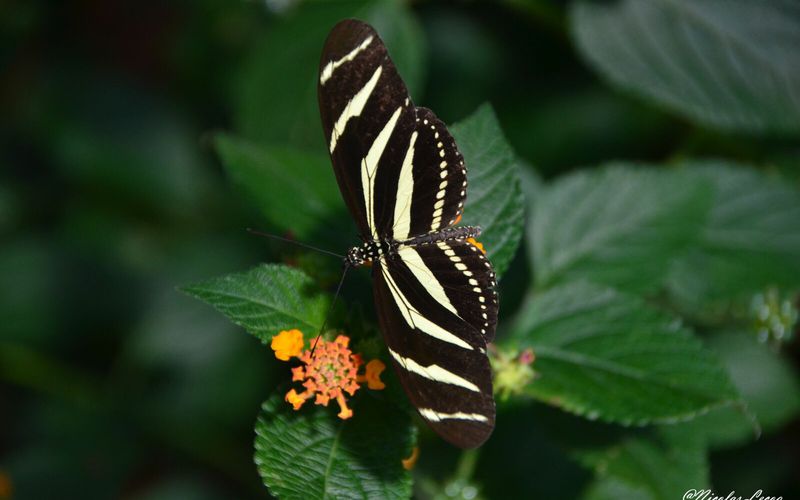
466,465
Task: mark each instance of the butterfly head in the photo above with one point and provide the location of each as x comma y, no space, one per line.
355,257
368,252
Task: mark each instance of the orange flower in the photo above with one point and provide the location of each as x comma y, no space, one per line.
477,244
372,375
331,373
294,399
287,344
6,488
408,463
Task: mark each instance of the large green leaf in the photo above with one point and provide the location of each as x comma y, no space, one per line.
732,64
604,354
494,201
295,190
767,382
751,238
277,101
621,225
266,300
313,454
663,467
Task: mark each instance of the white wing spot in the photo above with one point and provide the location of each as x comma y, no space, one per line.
327,72
369,167
433,372
354,107
435,416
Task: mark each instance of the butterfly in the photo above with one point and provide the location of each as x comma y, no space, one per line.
404,182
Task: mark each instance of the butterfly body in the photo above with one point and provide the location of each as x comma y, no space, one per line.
372,250
404,182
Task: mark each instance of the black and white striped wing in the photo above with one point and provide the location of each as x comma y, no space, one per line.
437,309
398,168
402,176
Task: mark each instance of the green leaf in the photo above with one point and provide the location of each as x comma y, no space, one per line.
494,200
612,488
295,190
604,354
768,384
277,99
728,64
661,468
266,300
621,225
313,454
751,239
404,38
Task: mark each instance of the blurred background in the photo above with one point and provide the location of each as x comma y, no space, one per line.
115,385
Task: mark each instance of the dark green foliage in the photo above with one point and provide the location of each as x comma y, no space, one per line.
729,64
266,300
495,201
621,225
634,166
312,455
608,355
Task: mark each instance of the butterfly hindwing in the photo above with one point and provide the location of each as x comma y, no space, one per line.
439,356
433,196
468,279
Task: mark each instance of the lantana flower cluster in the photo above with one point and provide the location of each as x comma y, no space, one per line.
328,370
513,370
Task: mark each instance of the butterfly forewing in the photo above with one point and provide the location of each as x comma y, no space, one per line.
367,119
402,177
397,166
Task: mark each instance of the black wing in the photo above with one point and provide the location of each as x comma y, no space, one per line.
398,168
437,309
401,176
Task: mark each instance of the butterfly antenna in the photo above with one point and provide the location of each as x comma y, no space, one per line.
287,240
330,310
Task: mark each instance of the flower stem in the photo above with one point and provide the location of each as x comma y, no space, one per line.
466,465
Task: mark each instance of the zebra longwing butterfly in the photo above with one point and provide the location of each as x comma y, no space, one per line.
404,181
